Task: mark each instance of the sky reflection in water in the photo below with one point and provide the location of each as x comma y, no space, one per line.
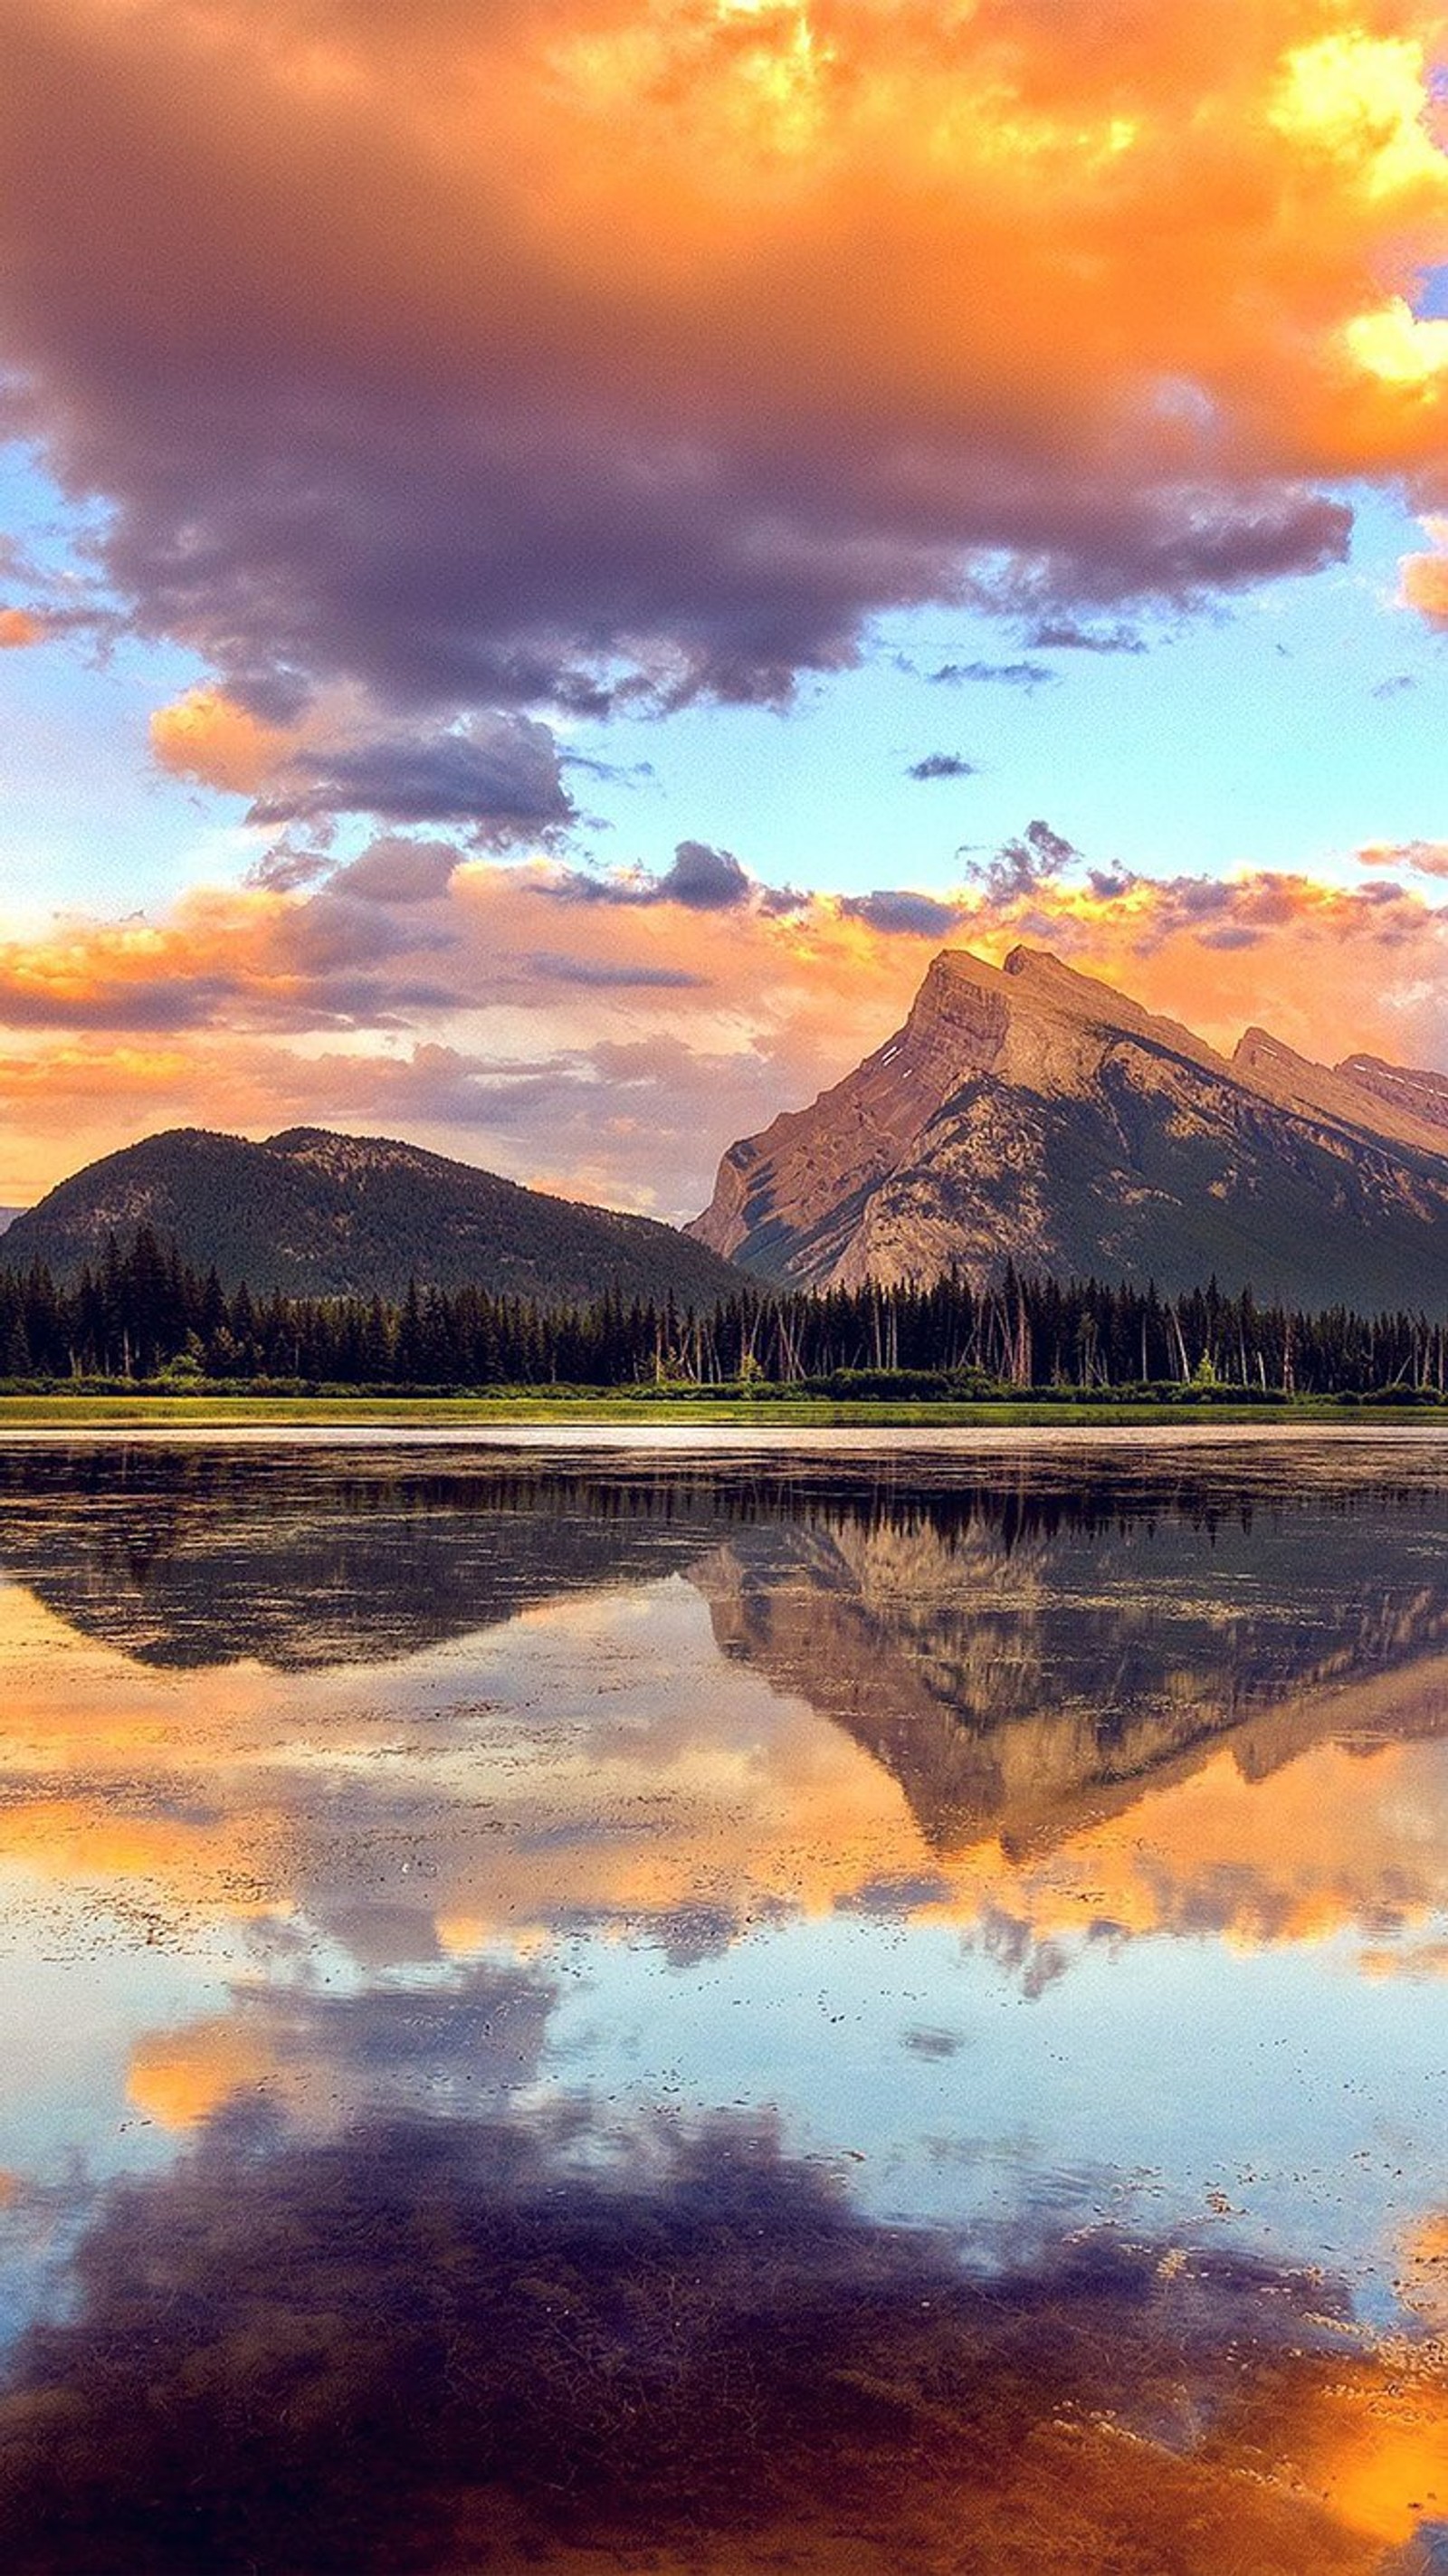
786,2013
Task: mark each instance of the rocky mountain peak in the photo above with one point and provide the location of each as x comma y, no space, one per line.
1042,972
1391,1104
1259,1046
1031,1113
1405,1089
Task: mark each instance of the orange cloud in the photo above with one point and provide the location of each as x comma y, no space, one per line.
1424,578
689,337
18,628
210,737
1421,858
1327,967
613,1046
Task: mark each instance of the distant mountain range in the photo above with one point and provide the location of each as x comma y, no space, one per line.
317,1214
1028,1113
1024,1113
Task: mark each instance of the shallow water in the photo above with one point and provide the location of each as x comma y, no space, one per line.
696,2006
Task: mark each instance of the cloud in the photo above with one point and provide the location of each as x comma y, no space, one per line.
295,861
1021,866
942,764
1419,858
398,871
601,974
1003,675
899,912
210,737
700,878
18,628
1068,635
498,774
477,1005
704,879
1423,578
573,354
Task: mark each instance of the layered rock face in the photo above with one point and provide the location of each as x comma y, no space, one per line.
1028,1113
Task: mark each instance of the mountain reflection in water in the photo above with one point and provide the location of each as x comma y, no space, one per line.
792,2013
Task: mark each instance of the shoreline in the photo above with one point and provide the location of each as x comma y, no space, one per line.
820,1429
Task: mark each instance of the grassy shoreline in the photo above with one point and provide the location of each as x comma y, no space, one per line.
581,1410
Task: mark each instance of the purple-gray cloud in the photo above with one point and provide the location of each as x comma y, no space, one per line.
701,878
1001,675
361,409
1068,635
398,871
498,774
897,908
1019,866
599,974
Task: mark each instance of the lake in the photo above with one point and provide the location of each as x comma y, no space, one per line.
683,2004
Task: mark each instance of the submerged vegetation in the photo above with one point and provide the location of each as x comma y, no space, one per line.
144,1321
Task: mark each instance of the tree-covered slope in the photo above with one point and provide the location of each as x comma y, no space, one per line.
317,1214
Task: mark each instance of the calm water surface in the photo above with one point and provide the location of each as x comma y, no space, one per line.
847,2011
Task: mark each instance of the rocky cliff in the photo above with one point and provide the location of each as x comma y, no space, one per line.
1029,1113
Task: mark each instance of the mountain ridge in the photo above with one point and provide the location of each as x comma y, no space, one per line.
1033,1114
1025,1113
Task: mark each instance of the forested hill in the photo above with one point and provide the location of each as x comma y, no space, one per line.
313,1214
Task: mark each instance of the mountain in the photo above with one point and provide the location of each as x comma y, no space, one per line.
1034,1114
317,1214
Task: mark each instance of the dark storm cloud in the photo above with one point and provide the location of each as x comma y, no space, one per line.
942,764
496,773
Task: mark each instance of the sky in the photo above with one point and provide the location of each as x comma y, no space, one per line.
552,555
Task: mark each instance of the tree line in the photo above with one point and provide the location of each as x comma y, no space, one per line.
140,1315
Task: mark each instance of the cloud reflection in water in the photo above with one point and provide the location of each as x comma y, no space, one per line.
561,1924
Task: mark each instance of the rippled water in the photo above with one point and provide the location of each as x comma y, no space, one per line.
839,2010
